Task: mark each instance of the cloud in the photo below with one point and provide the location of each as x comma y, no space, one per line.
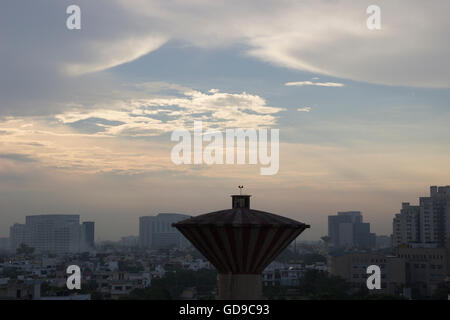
45,68
116,53
44,64
109,36
62,148
16,157
305,109
309,83
323,37
109,137
155,116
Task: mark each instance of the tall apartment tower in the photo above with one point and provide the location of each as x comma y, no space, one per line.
406,225
426,224
435,216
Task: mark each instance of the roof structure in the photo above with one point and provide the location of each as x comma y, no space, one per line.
240,240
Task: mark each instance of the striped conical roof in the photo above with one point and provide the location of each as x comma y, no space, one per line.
240,240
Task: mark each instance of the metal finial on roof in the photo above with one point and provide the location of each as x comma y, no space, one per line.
240,189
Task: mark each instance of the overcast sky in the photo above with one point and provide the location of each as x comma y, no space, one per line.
86,115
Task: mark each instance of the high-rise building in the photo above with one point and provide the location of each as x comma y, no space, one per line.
51,233
426,224
157,231
406,225
347,230
87,236
435,216
54,233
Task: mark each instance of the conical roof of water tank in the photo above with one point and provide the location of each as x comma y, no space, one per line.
240,240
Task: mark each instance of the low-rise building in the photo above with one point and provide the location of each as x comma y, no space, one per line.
424,268
421,269
20,289
288,274
353,268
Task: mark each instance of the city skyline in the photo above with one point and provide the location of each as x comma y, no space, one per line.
86,115
410,226
118,236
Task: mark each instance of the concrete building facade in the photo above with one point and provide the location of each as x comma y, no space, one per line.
420,270
353,268
435,216
406,225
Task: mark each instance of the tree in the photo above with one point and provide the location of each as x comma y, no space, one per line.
87,288
25,250
441,292
365,294
275,292
151,293
172,284
10,273
318,285
307,258
310,258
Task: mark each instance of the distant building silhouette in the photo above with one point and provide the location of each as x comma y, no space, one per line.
347,230
51,233
4,244
17,235
129,241
383,242
87,235
157,231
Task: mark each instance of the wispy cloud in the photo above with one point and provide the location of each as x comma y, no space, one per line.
310,83
113,53
305,35
305,109
16,157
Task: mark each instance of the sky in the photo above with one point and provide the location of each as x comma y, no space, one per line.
86,115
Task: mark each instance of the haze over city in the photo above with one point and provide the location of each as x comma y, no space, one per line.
86,115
